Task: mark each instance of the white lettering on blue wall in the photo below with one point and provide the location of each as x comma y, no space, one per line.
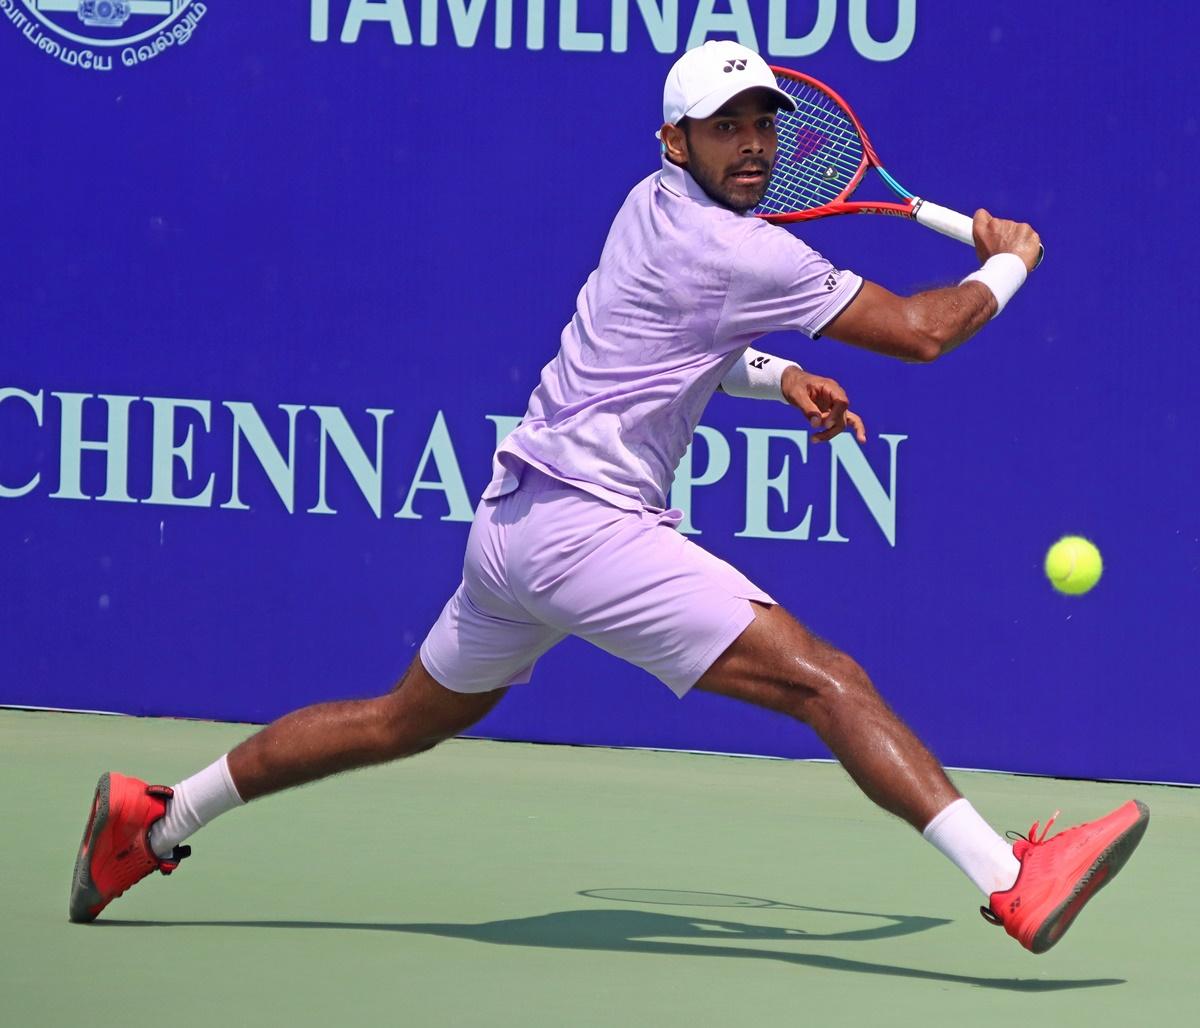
175,451
777,28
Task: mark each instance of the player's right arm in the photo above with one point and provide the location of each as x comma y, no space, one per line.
926,326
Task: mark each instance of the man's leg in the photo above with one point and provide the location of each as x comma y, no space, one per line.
482,642
778,664
1035,890
135,829
318,741
326,738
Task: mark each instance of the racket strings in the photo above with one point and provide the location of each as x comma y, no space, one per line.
820,152
827,151
819,157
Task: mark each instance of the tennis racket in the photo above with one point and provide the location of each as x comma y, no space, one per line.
823,155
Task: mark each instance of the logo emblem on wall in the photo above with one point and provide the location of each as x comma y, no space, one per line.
109,13
98,34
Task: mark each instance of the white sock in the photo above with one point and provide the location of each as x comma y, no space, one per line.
974,847
197,801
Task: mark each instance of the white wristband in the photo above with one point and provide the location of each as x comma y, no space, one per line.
757,375
1003,274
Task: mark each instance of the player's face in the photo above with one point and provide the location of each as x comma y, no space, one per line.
732,153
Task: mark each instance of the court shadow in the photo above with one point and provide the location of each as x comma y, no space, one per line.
640,931
888,925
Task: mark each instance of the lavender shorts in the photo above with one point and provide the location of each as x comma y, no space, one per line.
549,560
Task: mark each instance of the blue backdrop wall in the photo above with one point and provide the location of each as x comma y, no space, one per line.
275,276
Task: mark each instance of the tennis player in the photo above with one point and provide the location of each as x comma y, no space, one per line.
573,535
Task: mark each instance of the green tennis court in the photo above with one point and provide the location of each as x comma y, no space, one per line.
510,884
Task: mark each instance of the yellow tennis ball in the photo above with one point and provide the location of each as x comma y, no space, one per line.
1073,565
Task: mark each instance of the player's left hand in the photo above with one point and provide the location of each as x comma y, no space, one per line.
823,402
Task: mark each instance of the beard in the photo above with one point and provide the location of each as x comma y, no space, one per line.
723,188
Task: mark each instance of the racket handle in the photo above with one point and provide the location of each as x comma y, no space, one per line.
951,223
944,220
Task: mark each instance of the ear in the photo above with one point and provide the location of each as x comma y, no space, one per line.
674,141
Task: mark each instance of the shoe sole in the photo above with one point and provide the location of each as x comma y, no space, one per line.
84,894
1102,871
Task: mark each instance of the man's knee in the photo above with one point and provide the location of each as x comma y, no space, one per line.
403,729
419,713
820,687
778,664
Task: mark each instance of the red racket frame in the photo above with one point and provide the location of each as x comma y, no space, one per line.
869,160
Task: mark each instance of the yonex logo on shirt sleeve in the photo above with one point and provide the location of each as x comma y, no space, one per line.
760,361
831,281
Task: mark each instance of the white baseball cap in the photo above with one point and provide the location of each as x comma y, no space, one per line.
707,76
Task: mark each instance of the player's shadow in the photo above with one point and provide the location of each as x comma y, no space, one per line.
644,931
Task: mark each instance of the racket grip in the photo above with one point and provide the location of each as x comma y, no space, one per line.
944,220
951,223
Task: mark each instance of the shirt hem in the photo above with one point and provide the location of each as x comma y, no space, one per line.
610,497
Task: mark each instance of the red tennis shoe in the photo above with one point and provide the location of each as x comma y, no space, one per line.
115,852
1059,876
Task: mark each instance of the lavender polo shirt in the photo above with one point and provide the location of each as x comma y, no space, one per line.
683,287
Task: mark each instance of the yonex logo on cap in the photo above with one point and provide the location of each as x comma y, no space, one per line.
703,79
